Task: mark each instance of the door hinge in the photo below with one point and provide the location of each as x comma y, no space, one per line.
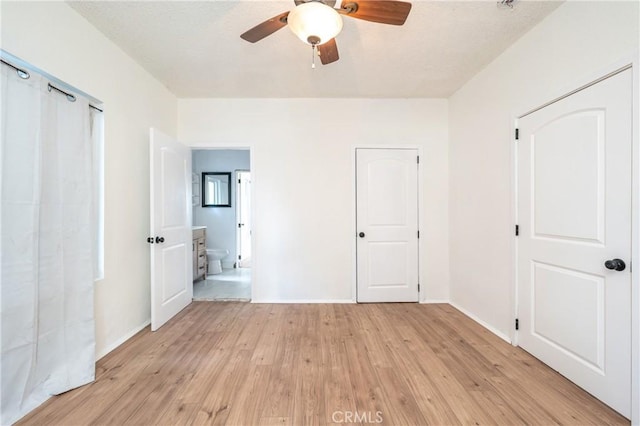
517,134
239,257
418,286
418,159
517,230
418,234
239,181
517,324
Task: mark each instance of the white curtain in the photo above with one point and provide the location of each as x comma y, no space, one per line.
47,227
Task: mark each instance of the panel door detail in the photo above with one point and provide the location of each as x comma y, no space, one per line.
171,247
387,225
574,212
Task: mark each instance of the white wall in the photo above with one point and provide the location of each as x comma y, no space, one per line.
303,174
574,42
221,222
54,38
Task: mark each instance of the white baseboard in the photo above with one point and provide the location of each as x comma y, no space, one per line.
482,323
301,301
426,301
121,340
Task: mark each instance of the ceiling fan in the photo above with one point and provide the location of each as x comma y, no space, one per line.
318,22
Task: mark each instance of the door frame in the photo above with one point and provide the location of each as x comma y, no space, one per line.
210,146
238,245
630,61
354,231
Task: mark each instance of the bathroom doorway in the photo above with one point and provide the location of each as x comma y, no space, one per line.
220,204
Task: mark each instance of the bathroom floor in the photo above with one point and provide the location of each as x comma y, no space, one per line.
231,284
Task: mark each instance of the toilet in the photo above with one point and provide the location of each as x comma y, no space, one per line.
214,256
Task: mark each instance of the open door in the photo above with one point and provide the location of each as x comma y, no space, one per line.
170,237
243,203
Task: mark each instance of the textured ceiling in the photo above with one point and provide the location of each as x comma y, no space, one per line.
195,50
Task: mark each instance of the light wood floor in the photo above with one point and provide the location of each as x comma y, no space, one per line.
250,364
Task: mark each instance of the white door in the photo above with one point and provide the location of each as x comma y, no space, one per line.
387,225
171,242
243,203
574,208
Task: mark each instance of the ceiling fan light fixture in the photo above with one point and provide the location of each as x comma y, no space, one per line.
314,22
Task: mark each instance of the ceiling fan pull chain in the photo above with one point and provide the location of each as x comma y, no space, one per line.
313,56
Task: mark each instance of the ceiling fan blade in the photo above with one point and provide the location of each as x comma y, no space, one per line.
381,11
328,52
266,28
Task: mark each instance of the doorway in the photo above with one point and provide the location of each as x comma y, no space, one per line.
574,171
224,279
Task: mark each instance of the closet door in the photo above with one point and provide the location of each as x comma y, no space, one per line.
574,209
387,225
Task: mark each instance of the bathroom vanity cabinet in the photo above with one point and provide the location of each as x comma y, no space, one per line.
199,249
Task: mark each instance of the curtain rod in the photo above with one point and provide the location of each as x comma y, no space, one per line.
22,73
71,97
8,57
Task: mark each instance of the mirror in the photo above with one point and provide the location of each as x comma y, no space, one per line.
216,189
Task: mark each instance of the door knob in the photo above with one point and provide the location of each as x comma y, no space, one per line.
159,239
150,240
361,235
615,264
